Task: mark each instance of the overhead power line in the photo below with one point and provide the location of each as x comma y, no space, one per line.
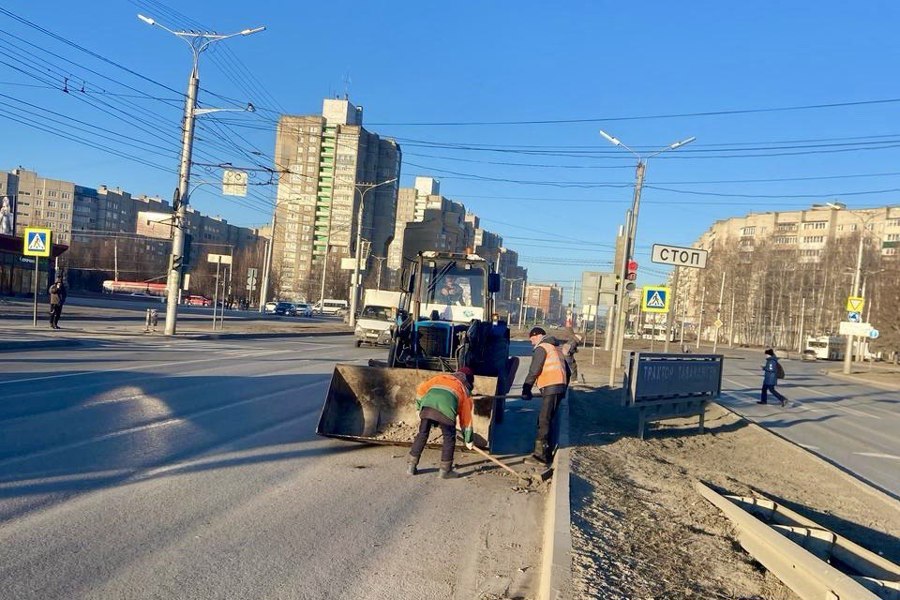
709,113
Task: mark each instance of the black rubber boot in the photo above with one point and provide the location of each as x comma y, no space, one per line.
412,464
539,455
447,471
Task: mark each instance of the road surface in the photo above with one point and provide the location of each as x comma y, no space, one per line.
157,468
851,424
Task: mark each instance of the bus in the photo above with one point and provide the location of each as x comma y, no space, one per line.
826,347
134,287
649,331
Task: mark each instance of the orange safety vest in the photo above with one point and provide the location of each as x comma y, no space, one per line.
554,371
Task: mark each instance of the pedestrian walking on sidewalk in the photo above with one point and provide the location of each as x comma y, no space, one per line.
772,372
58,294
551,374
442,401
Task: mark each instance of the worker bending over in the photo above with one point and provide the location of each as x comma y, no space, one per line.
441,401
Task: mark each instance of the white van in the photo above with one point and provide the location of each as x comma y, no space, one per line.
331,306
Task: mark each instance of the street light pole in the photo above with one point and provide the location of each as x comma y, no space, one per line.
198,42
628,253
354,284
848,352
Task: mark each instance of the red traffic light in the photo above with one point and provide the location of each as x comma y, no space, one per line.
632,265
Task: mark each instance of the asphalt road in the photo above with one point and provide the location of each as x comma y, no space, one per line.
851,424
161,468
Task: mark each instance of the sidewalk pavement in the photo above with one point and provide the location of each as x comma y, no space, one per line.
81,325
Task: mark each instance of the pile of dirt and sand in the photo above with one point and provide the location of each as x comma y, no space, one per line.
641,531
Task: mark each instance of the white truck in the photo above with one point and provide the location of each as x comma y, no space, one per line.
379,312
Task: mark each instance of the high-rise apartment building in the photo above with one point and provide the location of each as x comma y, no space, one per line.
780,273
324,161
36,201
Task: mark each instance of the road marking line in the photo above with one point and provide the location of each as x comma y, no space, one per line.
807,446
877,455
155,424
152,365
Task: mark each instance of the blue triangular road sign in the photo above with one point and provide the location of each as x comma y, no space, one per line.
656,300
36,243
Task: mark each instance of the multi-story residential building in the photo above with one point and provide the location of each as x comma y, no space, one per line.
107,228
784,268
39,202
546,300
325,162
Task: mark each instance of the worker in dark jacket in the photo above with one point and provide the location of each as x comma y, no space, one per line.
441,401
57,299
551,374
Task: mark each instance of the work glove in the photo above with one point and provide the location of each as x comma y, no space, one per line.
526,392
470,445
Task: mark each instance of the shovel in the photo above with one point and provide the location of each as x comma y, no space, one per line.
527,479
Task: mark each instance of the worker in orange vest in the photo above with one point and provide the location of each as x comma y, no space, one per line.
551,374
441,401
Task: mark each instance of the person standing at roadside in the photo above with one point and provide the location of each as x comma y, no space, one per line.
57,299
771,372
441,401
551,374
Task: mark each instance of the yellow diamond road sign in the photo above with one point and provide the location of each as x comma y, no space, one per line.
37,242
655,300
855,304
718,323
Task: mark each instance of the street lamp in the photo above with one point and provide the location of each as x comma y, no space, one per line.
363,189
848,351
628,252
197,42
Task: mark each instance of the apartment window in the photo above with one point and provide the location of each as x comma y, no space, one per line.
52,193
748,230
39,192
889,251
815,225
66,195
786,239
786,227
893,237
893,223
810,252
51,204
814,239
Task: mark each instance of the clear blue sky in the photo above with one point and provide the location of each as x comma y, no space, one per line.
462,63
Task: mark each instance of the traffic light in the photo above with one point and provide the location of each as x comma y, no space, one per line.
631,275
186,251
631,270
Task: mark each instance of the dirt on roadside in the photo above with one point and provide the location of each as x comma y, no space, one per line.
641,531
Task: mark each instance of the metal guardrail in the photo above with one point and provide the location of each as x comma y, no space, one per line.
796,549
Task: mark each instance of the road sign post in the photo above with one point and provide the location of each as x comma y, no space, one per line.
36,244
219,259
678,256
655,299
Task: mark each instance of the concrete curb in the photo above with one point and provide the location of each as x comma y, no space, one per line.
878,384
90,336
16,345
556,567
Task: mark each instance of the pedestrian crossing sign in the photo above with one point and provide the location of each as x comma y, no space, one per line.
655,300
37,242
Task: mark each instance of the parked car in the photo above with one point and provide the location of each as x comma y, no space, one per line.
302,309
808,354
198,301
270,307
